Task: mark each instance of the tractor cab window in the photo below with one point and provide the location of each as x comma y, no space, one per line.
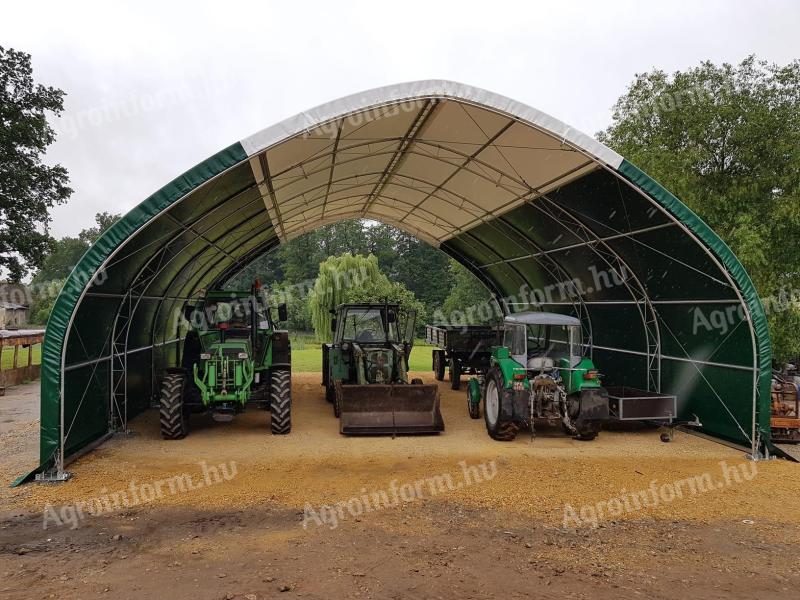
367,325
224,315
555,341
514,339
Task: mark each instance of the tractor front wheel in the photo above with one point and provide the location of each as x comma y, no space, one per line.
280,401
493,398
172,414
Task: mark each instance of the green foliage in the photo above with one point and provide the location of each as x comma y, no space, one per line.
58,264
28,188
347,278
724,139
383,289
468,302
337,275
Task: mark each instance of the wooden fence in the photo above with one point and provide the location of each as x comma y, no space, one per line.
28,338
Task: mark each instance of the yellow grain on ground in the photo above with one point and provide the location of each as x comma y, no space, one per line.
317,466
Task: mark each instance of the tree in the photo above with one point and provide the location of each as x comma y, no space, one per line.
347,278
58,264
66,252
103,221
468,303
336,275
28,188
724,139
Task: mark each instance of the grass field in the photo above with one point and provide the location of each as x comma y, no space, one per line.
22,357
307,356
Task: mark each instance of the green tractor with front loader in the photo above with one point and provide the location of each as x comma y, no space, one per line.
233,355
539,373
365,373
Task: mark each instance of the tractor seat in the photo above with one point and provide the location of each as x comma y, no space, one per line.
540,362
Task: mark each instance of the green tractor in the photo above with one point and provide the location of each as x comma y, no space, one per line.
539,373
232,355
365,374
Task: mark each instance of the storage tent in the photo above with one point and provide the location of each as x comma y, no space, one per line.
545,216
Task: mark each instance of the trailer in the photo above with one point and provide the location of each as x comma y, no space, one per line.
462,349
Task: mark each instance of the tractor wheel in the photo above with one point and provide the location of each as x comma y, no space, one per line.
474,409
455,374
337,410
280,401
587,435
473,391
502,431
330,394
438,365
173,416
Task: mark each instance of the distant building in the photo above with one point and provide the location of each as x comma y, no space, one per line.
12,315
15,301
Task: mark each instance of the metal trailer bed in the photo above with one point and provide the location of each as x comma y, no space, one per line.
461,349
633,404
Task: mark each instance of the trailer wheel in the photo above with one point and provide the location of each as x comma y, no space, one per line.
438,365
493,397
455,374
172,414
280,401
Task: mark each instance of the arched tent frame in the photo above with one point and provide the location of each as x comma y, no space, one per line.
544,215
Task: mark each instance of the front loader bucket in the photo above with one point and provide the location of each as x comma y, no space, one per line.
376,409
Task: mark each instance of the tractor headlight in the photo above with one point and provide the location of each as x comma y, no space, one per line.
345,346
205,356
242,355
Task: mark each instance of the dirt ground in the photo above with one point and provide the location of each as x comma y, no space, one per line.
233,512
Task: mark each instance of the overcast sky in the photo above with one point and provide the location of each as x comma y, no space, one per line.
155,87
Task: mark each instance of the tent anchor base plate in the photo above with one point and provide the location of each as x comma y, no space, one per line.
54,476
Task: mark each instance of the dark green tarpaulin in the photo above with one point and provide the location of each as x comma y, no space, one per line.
546,217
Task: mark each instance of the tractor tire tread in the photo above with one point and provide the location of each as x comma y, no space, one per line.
173,418
280,401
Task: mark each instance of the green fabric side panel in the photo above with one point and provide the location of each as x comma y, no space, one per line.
734,267
85,270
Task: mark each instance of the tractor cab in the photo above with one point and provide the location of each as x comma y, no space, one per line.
543,342
380,342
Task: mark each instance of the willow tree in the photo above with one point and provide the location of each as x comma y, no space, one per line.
337,276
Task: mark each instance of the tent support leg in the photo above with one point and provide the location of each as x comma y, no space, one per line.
55,474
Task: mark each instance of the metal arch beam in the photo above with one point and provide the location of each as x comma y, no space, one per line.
333,160
546,262
212,260
428,109
755,437
646,310
609,238
488,143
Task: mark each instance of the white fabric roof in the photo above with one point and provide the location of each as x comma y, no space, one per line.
434,158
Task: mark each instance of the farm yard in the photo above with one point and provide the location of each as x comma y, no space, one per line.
245,535
424,339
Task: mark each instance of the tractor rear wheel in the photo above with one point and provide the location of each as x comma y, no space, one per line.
172,413
438,365
280,401
493,398
455,374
